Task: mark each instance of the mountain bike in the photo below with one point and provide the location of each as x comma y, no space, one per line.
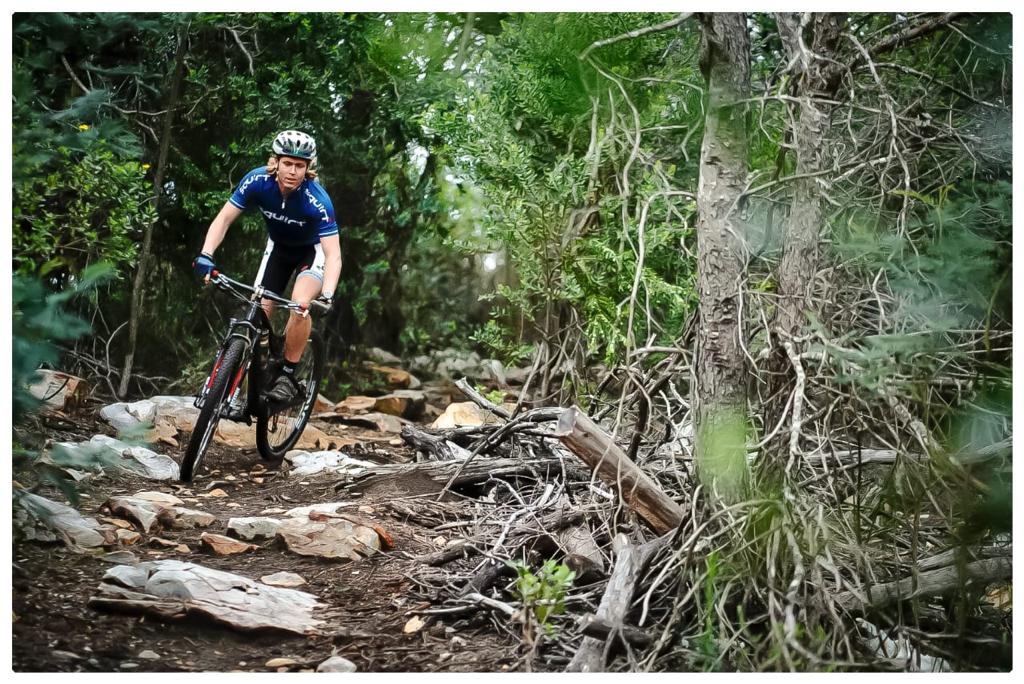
247,363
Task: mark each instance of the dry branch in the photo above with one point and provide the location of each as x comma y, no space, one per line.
595,447
931,583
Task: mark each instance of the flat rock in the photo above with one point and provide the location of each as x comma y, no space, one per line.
461,414
355,404
396,377
334,538
306,463
403,403
336,664
120,557
134,458
283,579
160,498
175,589
128,537
187,518
255,527
62,522
382,356
304,511
58,391
376,420
143,513
224,546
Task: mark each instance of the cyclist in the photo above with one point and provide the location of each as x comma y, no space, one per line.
302,237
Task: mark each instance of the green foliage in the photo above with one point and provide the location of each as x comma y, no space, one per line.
39,322
92,205
543,594
706,654
521,135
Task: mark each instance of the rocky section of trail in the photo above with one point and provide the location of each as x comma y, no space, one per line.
144,574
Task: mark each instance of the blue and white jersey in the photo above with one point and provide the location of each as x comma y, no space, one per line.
300,219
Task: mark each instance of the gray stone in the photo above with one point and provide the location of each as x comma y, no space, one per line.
335,538
251,528
304,511
144,513
305,463
382,356
186,518
283,579
69,525
149,655
142,460
173,589
120,557
336,664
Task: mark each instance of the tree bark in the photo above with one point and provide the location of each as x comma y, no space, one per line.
796,274
800,256
719,368
139,283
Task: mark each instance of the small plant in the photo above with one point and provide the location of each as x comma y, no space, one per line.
543,593
495,396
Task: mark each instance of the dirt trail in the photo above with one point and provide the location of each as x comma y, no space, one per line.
369,601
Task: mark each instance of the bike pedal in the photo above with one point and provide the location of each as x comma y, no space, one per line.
236,415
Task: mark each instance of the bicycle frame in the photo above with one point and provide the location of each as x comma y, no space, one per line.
250,329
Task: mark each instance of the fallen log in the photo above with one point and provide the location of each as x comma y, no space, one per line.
593,626
614,604
436,448
460,472
949,556
595,447
630,561
932,583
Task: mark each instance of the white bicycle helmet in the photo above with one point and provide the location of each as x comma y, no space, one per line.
295,144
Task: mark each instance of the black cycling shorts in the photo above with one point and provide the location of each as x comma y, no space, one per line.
281,261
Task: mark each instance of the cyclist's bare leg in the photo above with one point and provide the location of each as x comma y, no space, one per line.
296,333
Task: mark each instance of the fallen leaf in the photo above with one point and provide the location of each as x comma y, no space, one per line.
216,493
414,624
280,662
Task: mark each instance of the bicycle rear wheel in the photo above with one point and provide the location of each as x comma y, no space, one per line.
225,376
278,432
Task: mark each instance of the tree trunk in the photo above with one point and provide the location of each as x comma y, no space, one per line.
796,274
147,237
719,369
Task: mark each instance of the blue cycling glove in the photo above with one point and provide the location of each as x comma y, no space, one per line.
203,265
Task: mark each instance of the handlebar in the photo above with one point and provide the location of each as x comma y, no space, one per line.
231,285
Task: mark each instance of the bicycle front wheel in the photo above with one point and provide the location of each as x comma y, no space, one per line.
278,432
225,377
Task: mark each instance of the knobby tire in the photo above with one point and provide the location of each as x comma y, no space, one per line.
209,415
274,454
